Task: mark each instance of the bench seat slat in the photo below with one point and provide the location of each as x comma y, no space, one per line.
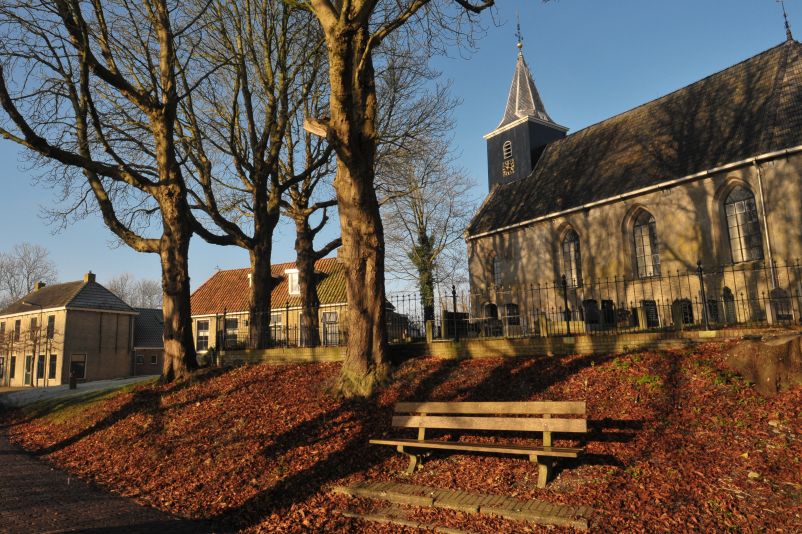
517,424
561,452
496,408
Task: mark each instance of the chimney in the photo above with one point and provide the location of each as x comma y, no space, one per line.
39,285
250,279
89,277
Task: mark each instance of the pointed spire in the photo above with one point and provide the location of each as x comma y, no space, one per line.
788,35
524,100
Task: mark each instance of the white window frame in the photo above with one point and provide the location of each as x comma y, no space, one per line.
293,287
507,149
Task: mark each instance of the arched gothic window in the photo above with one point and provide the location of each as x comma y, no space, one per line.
498,268
572,260
743,225
647,253
507,149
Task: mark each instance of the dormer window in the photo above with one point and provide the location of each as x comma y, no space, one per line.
292,281
507,149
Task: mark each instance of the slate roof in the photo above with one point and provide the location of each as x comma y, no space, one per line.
70,295
523,100
751,108
229,290
148,329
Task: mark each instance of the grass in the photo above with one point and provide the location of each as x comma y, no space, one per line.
71,408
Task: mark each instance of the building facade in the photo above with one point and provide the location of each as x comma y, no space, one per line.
77,328
613,218
220,316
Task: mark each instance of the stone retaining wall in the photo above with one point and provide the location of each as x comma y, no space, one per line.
495,347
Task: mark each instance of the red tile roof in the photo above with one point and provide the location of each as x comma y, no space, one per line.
229,290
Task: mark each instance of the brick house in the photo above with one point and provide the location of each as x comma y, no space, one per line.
76,327
148,341
220,307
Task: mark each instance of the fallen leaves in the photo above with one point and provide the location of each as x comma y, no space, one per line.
672,444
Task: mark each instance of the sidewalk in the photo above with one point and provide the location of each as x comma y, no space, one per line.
35,498
17,397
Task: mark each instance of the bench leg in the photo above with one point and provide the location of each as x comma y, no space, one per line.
544,466
414,459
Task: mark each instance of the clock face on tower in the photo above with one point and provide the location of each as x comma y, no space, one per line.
508,167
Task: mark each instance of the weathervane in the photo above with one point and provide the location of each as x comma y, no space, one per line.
788,33
518,31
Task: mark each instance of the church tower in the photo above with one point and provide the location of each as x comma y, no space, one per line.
515,145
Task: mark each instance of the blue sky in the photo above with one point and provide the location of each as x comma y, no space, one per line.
591,59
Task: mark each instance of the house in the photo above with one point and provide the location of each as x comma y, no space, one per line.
148,342
611,223
78,328
220,316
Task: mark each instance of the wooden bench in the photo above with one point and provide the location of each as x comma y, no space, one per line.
541,417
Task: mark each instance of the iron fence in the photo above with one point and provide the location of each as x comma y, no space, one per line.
753,294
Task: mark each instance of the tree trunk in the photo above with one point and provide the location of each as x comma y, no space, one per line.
305,262
260,296
352,130
266,214
179,347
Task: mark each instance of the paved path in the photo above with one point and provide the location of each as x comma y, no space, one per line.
17,397
35,498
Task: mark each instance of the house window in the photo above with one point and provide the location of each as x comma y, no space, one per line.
40,367
78,366
276,331
51,371
140,359
572,261
154,359
17,328
51,326
232,325
27,378
2,367
202,328
507,149
12,367
2,331
32,326
743,226
498,266
292,281
331,328
647,254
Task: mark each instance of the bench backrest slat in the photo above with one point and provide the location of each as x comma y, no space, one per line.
494,408
516,424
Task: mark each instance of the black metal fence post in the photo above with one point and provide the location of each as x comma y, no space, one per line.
454,302
564,284
705,314
287,324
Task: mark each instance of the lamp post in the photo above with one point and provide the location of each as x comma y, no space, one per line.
36,344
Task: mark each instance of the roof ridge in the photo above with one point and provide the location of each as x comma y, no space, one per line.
666,95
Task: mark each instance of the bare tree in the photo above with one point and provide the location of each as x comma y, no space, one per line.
92,89
237,126
425,224
138,293
21,268
353,30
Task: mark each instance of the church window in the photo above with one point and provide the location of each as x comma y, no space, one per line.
498,267
647,254
572,260
743,226
507,149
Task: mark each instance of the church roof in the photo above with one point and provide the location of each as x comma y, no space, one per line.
523,100
749,109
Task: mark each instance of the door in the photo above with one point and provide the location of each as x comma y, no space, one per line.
28,370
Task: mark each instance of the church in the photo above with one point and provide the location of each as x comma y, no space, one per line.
611,224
